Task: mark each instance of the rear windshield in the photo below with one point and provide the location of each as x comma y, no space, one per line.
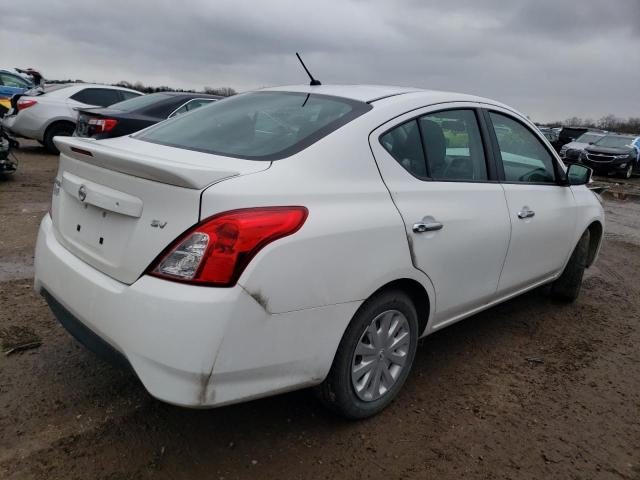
138,102
257,125
613,141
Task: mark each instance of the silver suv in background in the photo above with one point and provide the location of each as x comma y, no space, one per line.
570,153
46,114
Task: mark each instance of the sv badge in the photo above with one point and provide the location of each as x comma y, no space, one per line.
158,224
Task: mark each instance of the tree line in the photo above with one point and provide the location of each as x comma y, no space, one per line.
610,123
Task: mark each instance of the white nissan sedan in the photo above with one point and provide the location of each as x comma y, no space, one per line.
306,236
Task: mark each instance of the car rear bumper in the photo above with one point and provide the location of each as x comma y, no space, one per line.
189,345
20,127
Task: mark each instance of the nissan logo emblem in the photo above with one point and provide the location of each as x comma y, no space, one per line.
82,193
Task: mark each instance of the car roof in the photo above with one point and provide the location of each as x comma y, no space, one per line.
70,89
373,93
363,93
191,94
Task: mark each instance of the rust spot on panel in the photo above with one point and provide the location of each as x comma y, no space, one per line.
411,252
260,299
204,385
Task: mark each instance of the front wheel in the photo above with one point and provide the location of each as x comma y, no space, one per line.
628,172
374,357
567,287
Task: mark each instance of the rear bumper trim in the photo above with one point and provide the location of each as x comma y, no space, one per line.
85,335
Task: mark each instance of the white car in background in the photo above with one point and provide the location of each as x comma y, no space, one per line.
306,236
45,115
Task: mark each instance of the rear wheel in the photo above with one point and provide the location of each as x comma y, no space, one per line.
58,129
567,287
374,357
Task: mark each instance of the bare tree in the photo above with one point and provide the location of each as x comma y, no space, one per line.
224,91
608,122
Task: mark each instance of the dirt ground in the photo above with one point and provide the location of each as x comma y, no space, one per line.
530,389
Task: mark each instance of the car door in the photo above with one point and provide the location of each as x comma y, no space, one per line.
542,210
435,166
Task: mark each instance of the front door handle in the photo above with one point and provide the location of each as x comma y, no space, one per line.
526,212
422,227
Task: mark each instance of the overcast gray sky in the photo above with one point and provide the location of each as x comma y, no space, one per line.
551,59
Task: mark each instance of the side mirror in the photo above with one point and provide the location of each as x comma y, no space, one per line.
578,174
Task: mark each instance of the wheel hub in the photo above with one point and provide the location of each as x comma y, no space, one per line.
380,355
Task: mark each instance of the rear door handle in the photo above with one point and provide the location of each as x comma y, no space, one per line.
421,227
526,212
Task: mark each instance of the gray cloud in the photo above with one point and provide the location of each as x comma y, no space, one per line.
547,58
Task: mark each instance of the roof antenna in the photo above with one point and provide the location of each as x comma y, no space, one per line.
313,82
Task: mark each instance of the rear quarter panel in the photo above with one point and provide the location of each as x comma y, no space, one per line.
353,241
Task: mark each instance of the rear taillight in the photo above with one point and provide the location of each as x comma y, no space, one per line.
102,125
25,103
216,251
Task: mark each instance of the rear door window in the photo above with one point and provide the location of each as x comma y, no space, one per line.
444,146
403,143
257,125
453,146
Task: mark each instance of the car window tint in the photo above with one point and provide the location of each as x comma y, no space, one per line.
403,143
523,155
12,81
257,125
453,146
102,97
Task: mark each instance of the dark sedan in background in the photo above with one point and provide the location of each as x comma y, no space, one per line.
132,115
613,154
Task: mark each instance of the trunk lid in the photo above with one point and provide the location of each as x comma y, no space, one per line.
118,203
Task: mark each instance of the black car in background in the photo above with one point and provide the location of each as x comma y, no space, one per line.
137,113
613,154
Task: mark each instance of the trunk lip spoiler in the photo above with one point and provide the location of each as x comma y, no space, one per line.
144,166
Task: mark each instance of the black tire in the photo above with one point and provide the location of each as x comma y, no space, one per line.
628,173
567,287
337,392
58,129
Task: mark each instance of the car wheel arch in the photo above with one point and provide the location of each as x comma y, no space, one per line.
595,238
418,294
58,121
